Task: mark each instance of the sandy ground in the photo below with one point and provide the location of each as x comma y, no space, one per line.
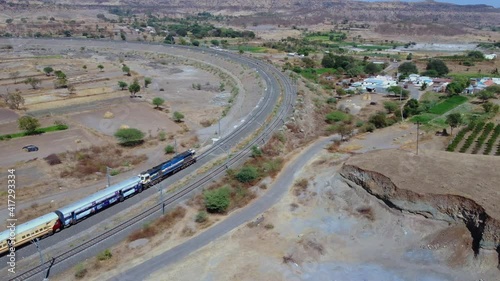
471,177
133,115
330,232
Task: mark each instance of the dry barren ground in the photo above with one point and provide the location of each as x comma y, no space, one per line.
325,230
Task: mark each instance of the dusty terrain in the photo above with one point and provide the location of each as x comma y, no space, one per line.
330,231
97,95
468,193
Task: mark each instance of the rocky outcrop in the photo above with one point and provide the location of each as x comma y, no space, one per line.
484,229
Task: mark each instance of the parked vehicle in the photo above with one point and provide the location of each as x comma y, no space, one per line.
30,148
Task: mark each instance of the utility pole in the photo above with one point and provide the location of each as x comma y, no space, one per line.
175,147
219,129
418,129
400,98
108,176
48,269
35,241
160,189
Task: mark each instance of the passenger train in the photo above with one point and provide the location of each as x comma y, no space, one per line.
79,210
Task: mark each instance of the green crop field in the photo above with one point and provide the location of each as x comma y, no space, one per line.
447,105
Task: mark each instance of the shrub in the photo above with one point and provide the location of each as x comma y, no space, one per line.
201,217
217,200
52,159
169,149
256,151
162,136
81,271
269,226
60,125
177,116
129,137
105,255
390,106
379,120
336,116
247,174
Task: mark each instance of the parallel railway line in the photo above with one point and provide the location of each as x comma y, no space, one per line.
270,74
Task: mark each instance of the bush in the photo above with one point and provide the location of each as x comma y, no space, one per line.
379,120
28,124
60,125
336,116
247,174
201,217
81,271
217,200
390,106
169,149
256,151
129,137
162,136
105,255
52,159
177,116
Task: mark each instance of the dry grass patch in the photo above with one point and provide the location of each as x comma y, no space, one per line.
366,212
300,186
89,161
159,225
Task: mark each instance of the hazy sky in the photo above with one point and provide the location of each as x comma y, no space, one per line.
494,3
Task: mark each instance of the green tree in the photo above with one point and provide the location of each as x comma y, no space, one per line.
101,67
485,95
328,61
398,91
126,69
129,137
390,106
407,68
48,70
372,68
215,42
122,85
134,88
195,43
217,200
476,55
412,107
28,124
379,119
308,62
33,81
453,120
343,130
177,116
437,65
147,81
158,102
247,174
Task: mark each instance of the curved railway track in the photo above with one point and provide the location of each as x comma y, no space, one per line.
270,74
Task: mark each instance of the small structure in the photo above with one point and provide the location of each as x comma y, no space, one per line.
490,56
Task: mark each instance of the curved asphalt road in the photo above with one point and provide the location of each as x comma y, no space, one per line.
278,189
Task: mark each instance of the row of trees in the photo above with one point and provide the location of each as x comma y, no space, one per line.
434,68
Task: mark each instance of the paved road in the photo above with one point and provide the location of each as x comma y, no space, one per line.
86,227
280,186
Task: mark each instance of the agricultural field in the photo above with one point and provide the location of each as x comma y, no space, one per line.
477,138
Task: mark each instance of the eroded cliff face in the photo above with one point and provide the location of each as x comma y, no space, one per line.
484,229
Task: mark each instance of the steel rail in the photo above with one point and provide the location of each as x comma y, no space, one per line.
265,134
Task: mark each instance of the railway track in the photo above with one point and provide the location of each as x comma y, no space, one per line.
269,73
